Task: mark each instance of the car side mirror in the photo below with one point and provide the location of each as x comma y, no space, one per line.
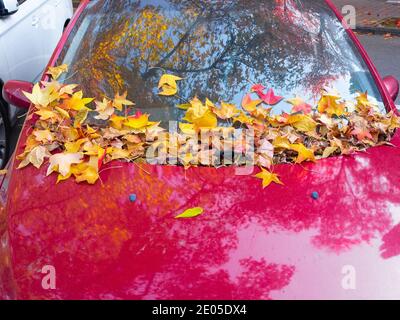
12,93
392,86
8,7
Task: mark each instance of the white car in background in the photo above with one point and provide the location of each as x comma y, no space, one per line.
29,33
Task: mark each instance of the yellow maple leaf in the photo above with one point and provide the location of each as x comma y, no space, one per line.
92,132
338,109
105,109
329,151
187,128
35,157
116,122
121,100
207,120
186,159
77,102
190,213
227,111
118,153
304,154
392,121
92,149
137,122
201,115
62,162
170,80
67,89
83,172
250,105
81,117
46,114
168,85
31,143
75,146
56,72
63,113
86,173
43,136
362,99
52,85
302,122
168,91
243,118
268,177
69,133
261,113
61,178
365,104
196,110
331,106
153,131
281,142
184,106
41,97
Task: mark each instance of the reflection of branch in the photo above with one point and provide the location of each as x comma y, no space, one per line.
190,70
182,40
189,201
219,59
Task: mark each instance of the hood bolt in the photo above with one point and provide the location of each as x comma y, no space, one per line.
315,195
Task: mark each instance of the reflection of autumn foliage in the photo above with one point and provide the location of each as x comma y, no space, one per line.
252,286
144,38
220,48
391,243
97,236
100,242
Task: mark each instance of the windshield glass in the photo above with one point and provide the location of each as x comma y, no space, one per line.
220,48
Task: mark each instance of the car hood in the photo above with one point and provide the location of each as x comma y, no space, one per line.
332,231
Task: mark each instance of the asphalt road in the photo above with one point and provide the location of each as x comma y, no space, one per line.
384,53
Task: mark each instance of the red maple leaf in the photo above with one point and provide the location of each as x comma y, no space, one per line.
270,98
299,105
304,107
258,88
138,114
362,134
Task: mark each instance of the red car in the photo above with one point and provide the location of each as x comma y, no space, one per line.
331,232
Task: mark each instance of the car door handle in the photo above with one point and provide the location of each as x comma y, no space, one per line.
35,21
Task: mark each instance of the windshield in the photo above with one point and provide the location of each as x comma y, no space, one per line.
220,48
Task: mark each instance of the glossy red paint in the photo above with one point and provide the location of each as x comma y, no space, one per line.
249,243
12,93
392,86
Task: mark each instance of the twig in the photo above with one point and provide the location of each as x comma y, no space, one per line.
142,169
23,115
70,76
115,167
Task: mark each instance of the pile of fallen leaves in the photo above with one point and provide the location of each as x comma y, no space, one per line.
62,133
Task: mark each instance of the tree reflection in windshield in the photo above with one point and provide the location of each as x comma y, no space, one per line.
221,48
